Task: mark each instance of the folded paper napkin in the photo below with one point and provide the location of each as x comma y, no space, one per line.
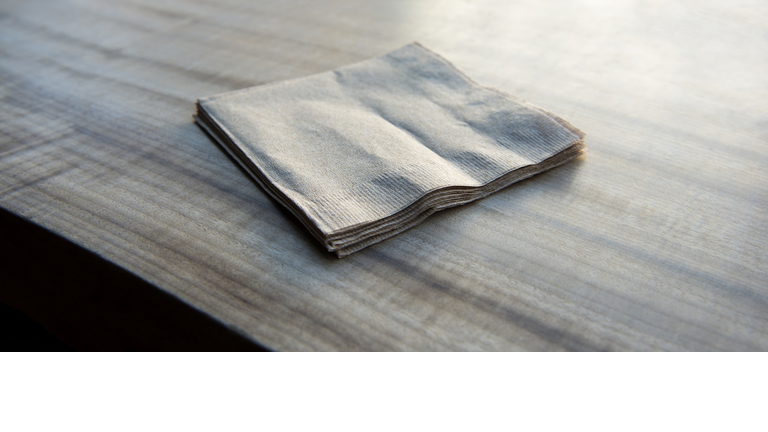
366,151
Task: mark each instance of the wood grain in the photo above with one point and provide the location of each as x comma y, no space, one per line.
655,240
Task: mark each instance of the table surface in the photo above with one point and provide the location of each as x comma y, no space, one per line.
654,240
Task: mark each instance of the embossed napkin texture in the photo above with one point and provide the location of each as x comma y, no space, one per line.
366,151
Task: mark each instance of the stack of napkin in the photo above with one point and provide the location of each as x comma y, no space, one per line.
364,152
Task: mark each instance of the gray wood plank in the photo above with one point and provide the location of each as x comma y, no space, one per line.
655,240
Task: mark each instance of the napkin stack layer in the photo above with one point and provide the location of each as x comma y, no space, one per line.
366,151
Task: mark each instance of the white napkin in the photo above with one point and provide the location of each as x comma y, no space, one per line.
366,151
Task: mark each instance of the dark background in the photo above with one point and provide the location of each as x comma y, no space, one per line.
57,296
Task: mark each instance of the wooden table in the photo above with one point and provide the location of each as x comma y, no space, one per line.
655,240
